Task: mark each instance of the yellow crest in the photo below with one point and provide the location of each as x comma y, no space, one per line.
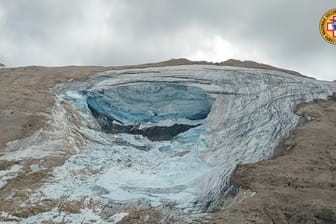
328,26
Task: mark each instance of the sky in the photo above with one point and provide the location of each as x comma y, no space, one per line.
283,33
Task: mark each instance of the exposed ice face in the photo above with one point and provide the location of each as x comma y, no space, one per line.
151,102
158,111
252,110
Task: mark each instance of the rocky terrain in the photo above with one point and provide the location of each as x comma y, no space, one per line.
298,186
230,62
26,97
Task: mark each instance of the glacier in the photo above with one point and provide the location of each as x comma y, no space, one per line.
212,118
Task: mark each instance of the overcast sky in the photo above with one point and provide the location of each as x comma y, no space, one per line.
283,33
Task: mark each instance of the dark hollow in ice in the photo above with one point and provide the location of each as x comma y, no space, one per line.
122,109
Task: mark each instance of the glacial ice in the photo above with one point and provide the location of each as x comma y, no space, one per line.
150,102
239,116
146,109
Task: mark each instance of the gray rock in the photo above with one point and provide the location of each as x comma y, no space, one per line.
332,97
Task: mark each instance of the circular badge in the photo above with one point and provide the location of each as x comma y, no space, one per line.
328,26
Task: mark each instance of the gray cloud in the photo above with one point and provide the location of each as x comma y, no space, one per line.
283,33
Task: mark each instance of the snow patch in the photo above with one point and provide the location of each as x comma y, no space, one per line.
118,217
6,175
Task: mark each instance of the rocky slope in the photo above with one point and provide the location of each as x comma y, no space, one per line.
229,62
26,97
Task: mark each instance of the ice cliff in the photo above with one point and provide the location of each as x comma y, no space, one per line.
125,108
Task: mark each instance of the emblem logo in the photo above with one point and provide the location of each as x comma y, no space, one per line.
328,26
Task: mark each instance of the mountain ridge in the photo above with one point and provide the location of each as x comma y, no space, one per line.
229,62
184,61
